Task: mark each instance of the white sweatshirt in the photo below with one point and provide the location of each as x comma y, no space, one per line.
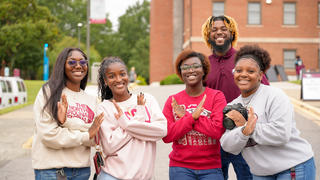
129,143
279,145
57,146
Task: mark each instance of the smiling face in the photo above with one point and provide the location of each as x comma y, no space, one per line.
116,78
220,37
247,76
75,72
192,71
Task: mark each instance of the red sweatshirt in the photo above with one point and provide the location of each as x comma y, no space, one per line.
195,142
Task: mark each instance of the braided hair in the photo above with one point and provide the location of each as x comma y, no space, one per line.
230,23
104,90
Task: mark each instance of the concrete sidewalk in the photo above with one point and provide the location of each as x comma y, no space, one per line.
15,162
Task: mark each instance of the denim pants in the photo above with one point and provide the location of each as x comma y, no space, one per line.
240,166
304,171
105,176
180,173
71,173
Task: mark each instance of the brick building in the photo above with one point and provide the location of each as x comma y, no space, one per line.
285,28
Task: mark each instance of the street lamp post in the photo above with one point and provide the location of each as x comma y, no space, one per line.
79,26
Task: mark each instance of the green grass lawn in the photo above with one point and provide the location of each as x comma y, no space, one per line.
296,82
33,86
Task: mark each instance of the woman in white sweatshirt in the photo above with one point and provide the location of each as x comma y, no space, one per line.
64,121
132,125
269,140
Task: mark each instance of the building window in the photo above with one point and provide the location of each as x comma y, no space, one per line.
254,13
289,57
289,13
217,8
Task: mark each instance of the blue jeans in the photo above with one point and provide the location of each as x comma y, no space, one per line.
105,176
304,171
71,173
180,173
240,166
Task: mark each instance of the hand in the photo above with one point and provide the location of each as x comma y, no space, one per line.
120,113
62,109
140,99
177,109
199,109
237,117
251,124
95,126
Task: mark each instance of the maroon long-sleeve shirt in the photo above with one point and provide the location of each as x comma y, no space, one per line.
221,77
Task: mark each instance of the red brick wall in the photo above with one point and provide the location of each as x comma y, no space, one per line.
271,28
161,45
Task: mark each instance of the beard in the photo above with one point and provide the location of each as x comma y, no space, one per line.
220,48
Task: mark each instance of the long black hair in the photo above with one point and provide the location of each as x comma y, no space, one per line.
58,80
104,90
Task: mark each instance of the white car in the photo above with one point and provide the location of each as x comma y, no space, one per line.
16,89
6,96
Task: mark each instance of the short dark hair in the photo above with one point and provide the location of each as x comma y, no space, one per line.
256,53
188,54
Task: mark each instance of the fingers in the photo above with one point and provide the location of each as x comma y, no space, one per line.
64,100
140,99
117,106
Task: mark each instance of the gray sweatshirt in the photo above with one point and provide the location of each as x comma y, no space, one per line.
279,146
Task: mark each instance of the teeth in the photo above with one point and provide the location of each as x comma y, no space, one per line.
77,73
191,77
220,39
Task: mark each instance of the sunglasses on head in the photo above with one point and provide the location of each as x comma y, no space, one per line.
73,63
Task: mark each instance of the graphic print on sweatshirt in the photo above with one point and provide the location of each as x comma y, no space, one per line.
193,137
132,112
81,111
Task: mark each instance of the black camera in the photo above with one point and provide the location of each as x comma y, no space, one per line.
229,123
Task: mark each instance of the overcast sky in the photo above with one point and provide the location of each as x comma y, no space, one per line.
116,8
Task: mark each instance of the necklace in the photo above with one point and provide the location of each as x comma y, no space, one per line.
247,100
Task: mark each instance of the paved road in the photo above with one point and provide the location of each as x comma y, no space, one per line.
16,128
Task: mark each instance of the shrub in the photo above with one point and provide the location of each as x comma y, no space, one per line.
141,80
171,79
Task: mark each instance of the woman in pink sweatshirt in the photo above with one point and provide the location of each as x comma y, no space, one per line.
132,125
194,118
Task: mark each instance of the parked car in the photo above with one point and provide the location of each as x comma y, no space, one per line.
6,96
16,89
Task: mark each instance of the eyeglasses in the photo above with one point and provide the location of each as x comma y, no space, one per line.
187,67
73,63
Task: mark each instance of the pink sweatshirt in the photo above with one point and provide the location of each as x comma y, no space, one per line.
129,143
196,143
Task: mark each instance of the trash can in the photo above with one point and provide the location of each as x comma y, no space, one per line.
94,72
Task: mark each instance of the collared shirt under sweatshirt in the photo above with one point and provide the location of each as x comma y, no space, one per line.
279,146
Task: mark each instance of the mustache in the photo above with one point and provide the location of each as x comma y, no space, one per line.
220,48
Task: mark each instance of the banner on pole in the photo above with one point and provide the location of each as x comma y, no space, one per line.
97,11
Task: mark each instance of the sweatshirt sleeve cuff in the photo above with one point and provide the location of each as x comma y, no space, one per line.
86,139
241,135
122,122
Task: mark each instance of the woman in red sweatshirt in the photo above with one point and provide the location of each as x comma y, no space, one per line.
194,118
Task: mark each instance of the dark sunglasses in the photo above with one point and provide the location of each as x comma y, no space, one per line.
192,66
73,63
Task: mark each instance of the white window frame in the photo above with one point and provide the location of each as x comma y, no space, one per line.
254,15
218,8
289,11
289,58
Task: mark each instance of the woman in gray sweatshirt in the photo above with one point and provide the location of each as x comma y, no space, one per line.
269,140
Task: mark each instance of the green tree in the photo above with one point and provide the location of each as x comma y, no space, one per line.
133,32
24,29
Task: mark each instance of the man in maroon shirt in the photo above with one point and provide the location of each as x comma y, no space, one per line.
221,34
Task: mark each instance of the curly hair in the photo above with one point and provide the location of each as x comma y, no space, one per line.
188,54
104,90
256,53
230,23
